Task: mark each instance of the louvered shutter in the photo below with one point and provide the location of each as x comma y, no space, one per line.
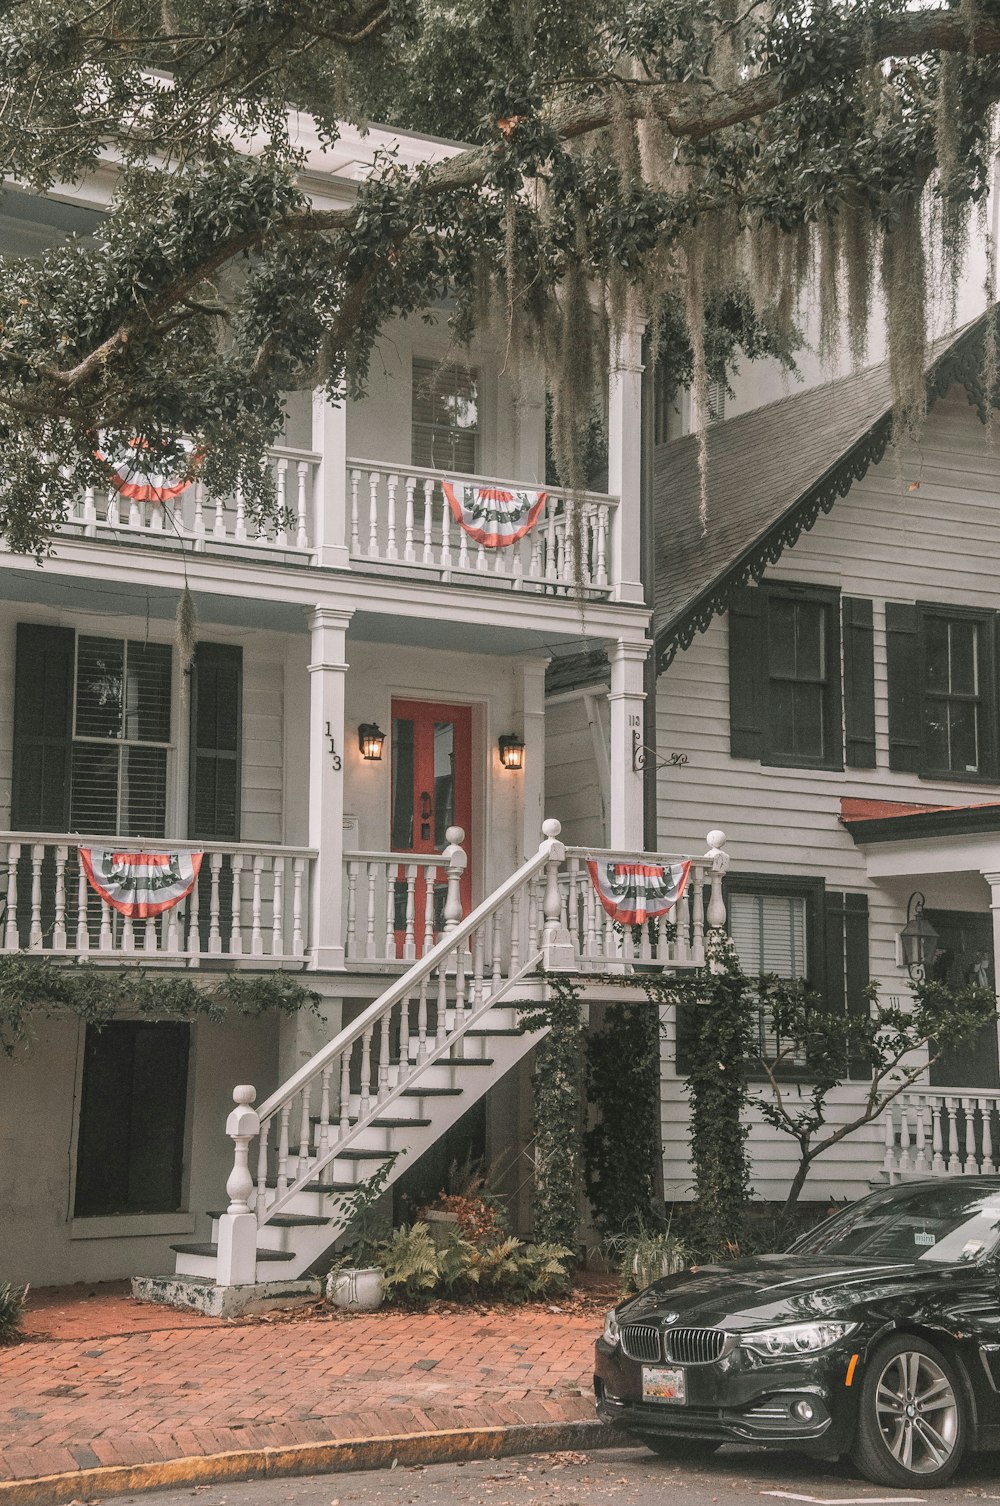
43,728
847,974
216,742
746,673
902,640
859,683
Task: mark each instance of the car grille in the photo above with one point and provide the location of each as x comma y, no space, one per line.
641,1341
695,1346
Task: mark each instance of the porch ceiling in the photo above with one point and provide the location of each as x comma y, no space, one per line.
487,636
65,593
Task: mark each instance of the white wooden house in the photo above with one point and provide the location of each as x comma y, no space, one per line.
827,687
340,758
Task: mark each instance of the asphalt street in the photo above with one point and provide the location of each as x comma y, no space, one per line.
619,1477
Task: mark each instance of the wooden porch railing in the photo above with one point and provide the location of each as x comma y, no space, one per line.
942,1132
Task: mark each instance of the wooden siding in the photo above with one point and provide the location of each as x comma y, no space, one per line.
939,542
573,793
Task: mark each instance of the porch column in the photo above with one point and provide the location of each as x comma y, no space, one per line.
533,776
993,879
327,676
625,463
625,827
329,431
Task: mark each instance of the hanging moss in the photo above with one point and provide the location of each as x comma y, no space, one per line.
904,285
857,252
829,287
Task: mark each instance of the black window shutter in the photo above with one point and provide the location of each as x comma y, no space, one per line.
902,643
847,963
859,683
215,777
746,677
43,728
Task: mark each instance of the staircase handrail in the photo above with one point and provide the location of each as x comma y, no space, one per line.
550,849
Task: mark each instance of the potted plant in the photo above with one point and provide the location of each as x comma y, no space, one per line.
356,1282
646,1255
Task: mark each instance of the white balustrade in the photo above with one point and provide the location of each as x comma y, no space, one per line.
194,519
248,902
400,517
943,1132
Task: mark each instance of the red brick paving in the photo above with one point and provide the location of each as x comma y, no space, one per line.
103,1380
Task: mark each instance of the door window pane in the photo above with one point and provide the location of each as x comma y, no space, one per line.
444,780
402,784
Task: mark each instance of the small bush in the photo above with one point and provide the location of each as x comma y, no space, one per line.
480,1221
416,1270
13,1300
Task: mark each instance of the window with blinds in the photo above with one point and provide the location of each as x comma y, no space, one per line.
121,737
445,432
769,934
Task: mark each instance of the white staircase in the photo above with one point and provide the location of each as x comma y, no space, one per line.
388,1086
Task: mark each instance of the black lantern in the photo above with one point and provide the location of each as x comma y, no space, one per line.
512,751
370,740
918,940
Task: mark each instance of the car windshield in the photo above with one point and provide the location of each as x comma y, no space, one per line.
932,1224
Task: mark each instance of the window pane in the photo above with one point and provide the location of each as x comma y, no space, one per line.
810,648
769,933
100,668
143,811
147,692
445,416
782,716
444,780
781,638
964,756
94,797
402,784
936,733
936,653
963,657
808,720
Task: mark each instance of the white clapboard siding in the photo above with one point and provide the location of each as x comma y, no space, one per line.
573,792
939,542
263,742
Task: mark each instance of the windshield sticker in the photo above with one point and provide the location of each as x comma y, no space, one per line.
921,1237
972,1248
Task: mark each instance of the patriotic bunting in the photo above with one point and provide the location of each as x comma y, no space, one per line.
140,884
634,892
494,517
138,476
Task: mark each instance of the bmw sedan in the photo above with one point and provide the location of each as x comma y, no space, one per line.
877,1335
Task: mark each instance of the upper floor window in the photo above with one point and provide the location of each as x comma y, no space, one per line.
445,433
942,698
121,737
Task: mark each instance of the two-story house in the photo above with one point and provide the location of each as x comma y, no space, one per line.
356,760
828,688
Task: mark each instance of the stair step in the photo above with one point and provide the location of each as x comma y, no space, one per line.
431,1093
322,1187
498,1030
461,1061
367,1155
399,1123
211,1249
291,1220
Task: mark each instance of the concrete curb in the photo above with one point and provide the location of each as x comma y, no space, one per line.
445,1447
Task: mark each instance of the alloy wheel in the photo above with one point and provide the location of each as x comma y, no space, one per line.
917,1412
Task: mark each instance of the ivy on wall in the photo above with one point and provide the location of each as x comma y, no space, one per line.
558,1111
621,1150
33,986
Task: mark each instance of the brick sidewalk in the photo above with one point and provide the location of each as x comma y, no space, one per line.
202,1387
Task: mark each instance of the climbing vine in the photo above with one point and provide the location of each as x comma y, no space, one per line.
32,986
621,1150
558,1111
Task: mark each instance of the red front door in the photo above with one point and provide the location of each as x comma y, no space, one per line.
431,790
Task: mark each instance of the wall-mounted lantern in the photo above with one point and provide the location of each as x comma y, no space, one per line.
512,751
371,740
918,940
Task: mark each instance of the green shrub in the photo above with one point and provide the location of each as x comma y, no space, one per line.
416,1269
13,1300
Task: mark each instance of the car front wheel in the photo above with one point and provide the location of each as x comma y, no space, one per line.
912,1424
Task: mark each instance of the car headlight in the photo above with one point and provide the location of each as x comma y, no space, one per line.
795,1338
612,1331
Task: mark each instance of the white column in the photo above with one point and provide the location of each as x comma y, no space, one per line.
625,827
533,775
327,677
625,464
329,525
993,879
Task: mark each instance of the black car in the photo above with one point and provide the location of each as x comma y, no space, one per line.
876,1335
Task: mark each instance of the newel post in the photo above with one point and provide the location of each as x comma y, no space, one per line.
558,952
237,1258
455,860
718,857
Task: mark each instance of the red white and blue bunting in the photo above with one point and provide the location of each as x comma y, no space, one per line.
136,473
493,516
634,892
140,884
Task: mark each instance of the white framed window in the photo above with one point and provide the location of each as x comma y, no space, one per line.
121,737
445,416
769,933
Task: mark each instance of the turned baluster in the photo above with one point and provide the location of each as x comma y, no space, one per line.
889,1132
107,938
219,521
430,874
428,522
442,1006
937,1143
445,534
298,912
410,932
366,1072
391,879
455,861
535,555
423,1049
240,526
373,543
971,1167
351,939
370,952
345,1091
409,552
573,922
459,956
920,1157
236,930
82,917
150,939
986,1116
601,571
89,513
11,938
35,933
305,1128
496,944
355,519
404,1038
278,907
265,1131
323,1128
301,505
904,1135
214,904
286,1110
551,571
383,1056
477,971
281,499
59,921
193,922
954,1164
515,933
391,551
534,888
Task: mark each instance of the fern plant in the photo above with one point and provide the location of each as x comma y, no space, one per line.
13,1300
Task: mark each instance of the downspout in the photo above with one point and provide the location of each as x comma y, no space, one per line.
647,568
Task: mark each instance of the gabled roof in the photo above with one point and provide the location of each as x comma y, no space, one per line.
771,472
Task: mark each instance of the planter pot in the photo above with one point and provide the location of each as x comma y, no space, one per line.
359,1291
670,1264
441,1225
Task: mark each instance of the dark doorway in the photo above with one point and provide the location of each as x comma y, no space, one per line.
965,955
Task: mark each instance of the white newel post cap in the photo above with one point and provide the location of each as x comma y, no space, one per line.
551,828
243,1119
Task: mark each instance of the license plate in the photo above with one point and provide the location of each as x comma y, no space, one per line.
663,1383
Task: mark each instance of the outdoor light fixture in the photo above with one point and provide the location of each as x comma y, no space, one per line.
512,751
370,740
918,940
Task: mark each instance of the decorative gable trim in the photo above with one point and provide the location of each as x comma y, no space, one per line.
961,364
